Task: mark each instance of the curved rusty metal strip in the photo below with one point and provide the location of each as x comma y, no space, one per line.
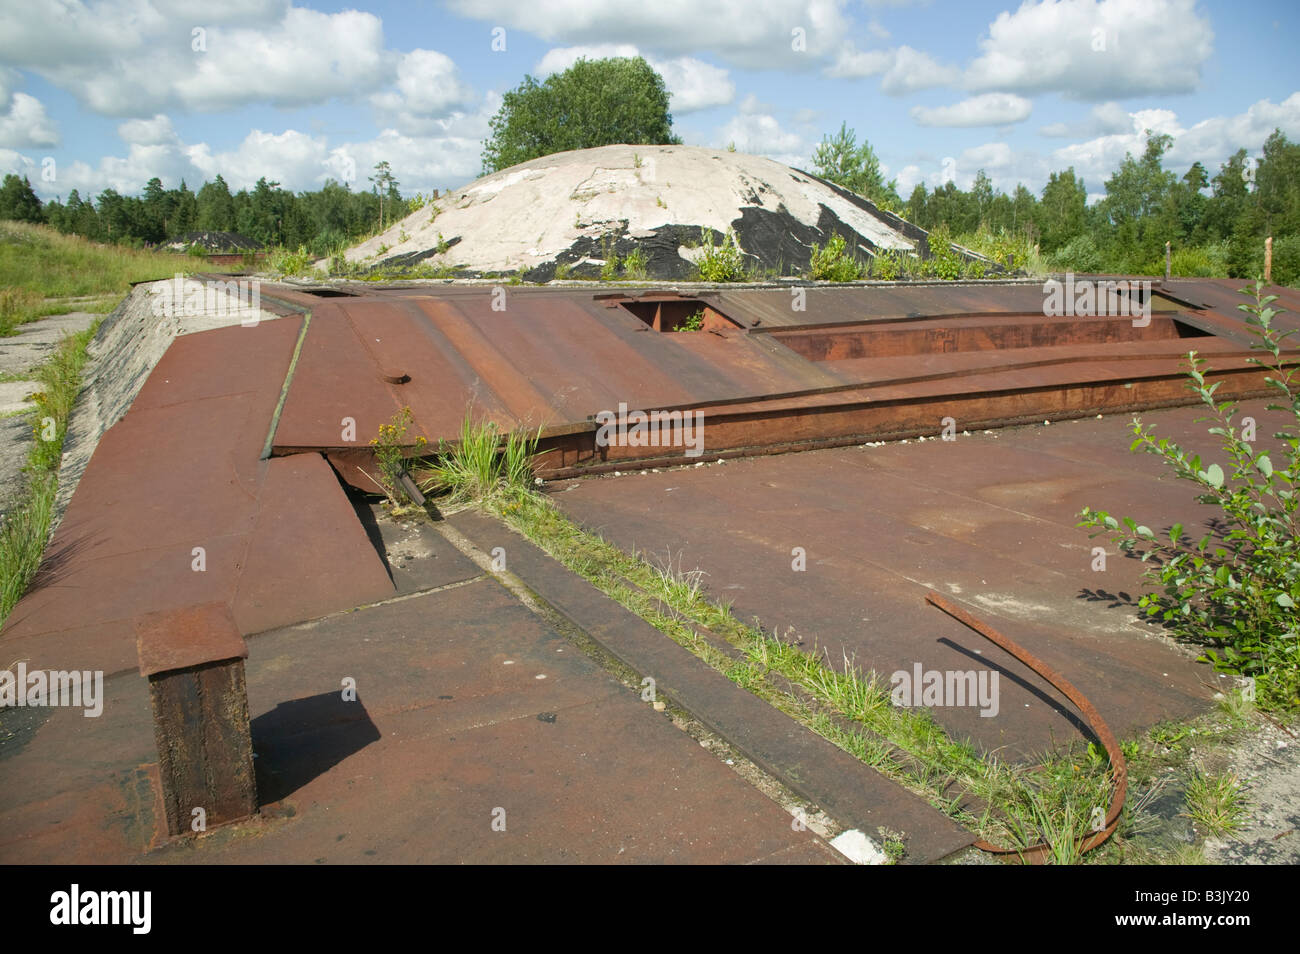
1037,854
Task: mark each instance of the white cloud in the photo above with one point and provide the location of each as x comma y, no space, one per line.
1102,120
25,123
692,84
751,33
428,88
1210,141
901,70
1094,49
126,58
148,132
760,134
987,109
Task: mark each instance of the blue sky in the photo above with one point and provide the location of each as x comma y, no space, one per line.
112,92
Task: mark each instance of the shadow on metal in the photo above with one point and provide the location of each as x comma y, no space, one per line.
300,740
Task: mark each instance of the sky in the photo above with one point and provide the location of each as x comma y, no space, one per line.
110,93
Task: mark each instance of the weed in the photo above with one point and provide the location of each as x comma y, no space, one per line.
721,263
1235,590
834,263
693,322
480,468
1215,802
285,262
390,455
634,265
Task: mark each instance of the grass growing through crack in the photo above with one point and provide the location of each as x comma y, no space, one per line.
25,528
1007,804
1055,800
484,465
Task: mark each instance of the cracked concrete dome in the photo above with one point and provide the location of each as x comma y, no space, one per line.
571,210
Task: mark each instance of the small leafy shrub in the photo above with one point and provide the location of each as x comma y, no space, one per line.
724,262
693,322
390,456
634,265
944,261
1080,254
285,262
888,265
1234,590
834,263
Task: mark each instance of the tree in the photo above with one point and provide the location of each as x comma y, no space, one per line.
1062,211
385,185
18,201
215,206
841,160
592,103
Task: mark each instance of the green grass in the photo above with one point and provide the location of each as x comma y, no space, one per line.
22,540
39,260
483,466
1013,805
1215,802
26,527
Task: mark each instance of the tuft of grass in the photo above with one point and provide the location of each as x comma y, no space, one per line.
484,465
1215,802
22,540
26,528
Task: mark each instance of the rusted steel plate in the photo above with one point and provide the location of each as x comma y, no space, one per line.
851,792
179,639
175,507
989,518
308,554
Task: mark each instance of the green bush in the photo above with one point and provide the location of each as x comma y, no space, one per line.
834,263
1236,589
1080,254
888,265
721,263
944,261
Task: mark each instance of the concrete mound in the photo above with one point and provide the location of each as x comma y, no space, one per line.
572,210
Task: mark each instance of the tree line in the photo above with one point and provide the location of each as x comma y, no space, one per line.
323,221
1216,224
1145,205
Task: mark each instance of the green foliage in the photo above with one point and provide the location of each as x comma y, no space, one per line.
592,103
889,265
724,262
834,263
1234,590
694,321
634,265
944,261
841,160
389,449
484,465
18,202
285,262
